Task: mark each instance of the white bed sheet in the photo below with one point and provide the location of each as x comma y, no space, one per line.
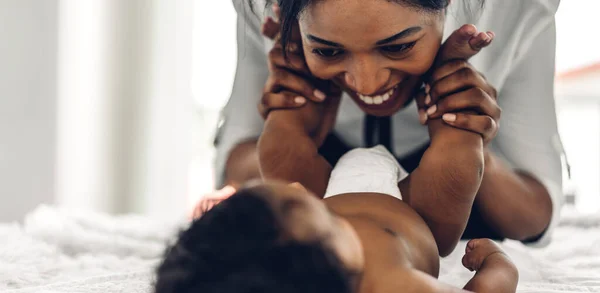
57,250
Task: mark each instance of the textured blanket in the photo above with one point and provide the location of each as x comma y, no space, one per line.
58,250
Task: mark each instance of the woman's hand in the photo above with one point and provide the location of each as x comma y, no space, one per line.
290,82
462,97
291,85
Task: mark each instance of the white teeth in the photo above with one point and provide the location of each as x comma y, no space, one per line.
377,100
386,96
368,100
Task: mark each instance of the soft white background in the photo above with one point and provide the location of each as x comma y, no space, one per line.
110,105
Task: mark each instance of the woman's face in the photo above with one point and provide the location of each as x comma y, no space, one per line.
374,50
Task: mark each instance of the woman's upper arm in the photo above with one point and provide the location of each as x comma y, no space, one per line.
528,134
240,118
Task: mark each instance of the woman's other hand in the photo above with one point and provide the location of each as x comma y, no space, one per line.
456,92
463,98
290,82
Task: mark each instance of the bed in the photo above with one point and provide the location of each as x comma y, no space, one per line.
58,250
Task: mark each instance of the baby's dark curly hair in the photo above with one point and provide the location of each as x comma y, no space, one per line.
236,248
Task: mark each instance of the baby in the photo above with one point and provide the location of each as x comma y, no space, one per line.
274,237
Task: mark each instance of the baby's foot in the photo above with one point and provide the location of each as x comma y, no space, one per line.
464,43
478,251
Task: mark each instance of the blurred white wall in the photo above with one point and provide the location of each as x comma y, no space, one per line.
578,107
213,71
578,98
577,23
28,30
125,106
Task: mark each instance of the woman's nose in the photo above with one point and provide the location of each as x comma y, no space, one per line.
367,79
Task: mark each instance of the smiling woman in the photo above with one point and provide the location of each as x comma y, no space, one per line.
362,73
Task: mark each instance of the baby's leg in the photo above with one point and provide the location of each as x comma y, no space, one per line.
495,271
446,209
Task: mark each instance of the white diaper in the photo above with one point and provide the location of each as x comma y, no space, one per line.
366,170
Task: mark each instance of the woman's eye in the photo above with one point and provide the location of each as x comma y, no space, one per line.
327,53
398,48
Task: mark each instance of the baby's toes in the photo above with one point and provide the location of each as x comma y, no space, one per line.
480,41
469,262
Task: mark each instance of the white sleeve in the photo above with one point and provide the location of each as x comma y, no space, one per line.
240,118
528,128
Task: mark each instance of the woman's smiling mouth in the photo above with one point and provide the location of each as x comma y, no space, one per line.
379,99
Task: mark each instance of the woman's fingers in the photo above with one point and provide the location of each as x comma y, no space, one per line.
481,124
474,99
456,76
461,80
281,79
420,99
293,61
280,100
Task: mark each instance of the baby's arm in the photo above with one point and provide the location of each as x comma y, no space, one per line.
495,271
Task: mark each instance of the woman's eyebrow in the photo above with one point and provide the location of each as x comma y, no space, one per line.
324,42
403,34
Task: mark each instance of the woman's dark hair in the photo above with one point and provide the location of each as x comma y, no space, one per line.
291,9
236,248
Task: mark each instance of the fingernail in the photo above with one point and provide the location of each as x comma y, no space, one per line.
320,95
422,117
300,100
427,88
449,117
431,110
427,99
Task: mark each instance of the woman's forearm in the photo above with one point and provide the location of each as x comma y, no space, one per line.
287,153
513,203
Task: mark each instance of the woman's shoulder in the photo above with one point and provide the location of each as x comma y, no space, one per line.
505,13
516,23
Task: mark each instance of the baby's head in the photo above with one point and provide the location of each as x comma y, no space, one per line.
265,238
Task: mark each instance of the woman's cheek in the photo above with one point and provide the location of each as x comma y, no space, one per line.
320,69
422,61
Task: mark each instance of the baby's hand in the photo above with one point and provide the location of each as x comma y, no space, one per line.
479,251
